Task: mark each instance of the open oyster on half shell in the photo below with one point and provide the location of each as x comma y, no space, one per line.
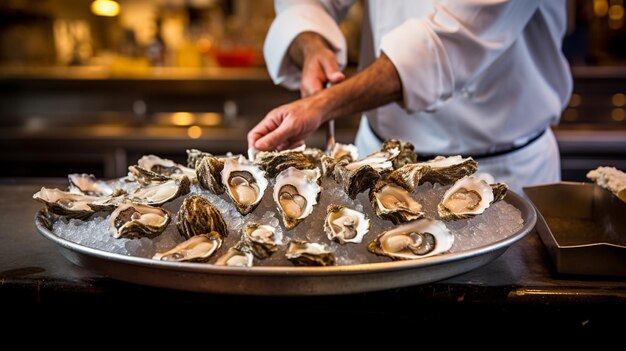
420,238
240,255
468,197
392,202
198,248
302,253
274,162
88,184
442,170
160,193
262,239
345,225
65,203
295,193
166,167
133,220
244,182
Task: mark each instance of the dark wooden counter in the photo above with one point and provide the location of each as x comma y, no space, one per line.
519,289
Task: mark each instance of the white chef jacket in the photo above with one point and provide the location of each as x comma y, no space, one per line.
478,76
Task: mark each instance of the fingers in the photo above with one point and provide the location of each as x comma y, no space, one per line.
278,137
267,125
331,70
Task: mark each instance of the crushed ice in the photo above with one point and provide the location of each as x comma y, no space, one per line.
499,221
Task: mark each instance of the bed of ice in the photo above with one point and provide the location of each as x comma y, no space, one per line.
497,222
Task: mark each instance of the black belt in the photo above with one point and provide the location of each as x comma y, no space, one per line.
423,157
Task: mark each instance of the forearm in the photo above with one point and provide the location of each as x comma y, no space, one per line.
377,85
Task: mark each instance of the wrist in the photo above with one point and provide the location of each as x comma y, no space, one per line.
307,44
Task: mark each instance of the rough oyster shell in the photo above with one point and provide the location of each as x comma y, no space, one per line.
240,255
273,162
442,170
197,216
88,184
295,193
468,197
157,194
345,225
344,152
166,167
209,173
262,239
198,248
355,181
66,204
405,156
302,253
421,238
392,202
245,183
194,156
133,220
146,177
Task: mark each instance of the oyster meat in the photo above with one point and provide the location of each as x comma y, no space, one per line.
302,253
392,202
262,239
245,183
420,238
133,220
166,167
160,193
240,255
65,203
295,193
468,197
344,152
198,248
88,184
345,225
197,216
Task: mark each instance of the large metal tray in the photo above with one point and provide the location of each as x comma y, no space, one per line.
287,280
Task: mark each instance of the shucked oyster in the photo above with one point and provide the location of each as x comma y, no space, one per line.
442,170
345,225
166,167
160,193
302,253
245,183
66,204
132,220
468,197
198,248
392,202
88,184
421,238
197,216
240,255
262,239
274,162
405,156
295,193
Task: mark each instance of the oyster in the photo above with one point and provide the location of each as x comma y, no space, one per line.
392,202
194,156
245,183
407,152
344,152
421,238
345,225
295,193
273,162
133,220
66,204
160,193
197,216
468,197
381,161
302,253
166,167
88,184
198,248
240,255
209,174
354,182
145,177
262,239
442,170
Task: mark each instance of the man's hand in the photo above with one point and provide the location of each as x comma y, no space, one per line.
318,62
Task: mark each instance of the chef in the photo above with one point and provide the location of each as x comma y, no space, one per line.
481,78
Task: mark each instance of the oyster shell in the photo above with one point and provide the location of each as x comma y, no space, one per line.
468,197
302,253
392,202
88,184
194,156
146,177
344,152
245,183
133,220
198,248
166,167
209,173
160,193
65,203
421,238
345,225
295,193
381,161
197,216
240,255
354,182
273,162
405,156
442,170
262,239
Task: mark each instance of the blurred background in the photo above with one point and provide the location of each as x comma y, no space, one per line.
90,86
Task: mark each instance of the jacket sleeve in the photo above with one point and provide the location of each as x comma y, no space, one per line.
437,55
297,16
